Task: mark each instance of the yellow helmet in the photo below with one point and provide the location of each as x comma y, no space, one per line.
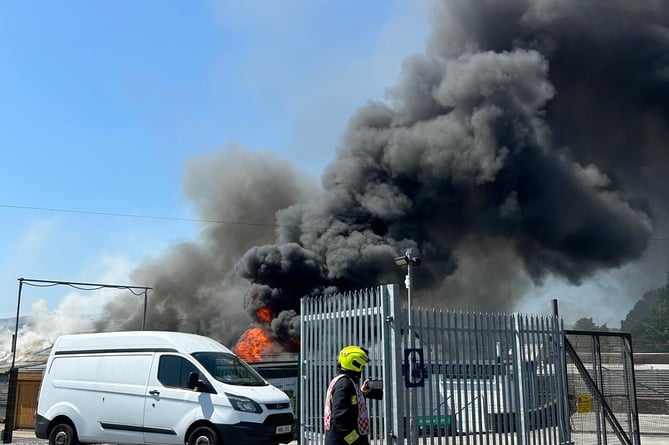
353,358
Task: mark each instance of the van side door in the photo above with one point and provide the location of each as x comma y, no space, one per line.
171,406
120,387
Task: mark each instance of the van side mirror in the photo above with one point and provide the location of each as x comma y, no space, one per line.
199,385
194,381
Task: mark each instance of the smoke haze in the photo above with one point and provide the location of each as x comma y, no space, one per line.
528,141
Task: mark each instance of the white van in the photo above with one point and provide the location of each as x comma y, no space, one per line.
157,387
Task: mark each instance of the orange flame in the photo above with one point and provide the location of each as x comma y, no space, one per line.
252,344
264,314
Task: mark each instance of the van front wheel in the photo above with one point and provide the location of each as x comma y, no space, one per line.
203,435
63,434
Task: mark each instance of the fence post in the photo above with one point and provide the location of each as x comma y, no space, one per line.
391,370
521,413
563,391
300,376
631,388
12,381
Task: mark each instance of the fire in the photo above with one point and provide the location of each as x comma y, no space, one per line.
264,314
255,344
252,344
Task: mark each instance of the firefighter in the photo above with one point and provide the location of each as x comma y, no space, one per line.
346,418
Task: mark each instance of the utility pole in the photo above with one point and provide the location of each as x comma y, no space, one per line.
409,261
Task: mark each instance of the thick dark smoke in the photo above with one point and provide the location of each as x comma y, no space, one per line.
528,140
195,288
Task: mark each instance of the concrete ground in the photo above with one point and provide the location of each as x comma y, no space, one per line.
27,437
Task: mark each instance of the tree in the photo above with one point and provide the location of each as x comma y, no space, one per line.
648,321
587,324
642,308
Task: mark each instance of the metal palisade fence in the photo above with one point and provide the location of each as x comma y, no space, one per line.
331,322
449,377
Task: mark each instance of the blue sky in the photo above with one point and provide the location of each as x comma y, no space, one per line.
102,102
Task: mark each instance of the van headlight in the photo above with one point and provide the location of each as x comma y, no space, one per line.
245,404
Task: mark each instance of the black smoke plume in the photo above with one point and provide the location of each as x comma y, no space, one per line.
529,139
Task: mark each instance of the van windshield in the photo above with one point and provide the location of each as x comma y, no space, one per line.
229,369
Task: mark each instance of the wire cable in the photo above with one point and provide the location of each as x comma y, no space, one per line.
40,285
167,218
198,220
84,286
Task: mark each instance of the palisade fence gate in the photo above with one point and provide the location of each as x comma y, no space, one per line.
602,395
449,378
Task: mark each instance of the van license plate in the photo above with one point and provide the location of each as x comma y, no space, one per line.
282,429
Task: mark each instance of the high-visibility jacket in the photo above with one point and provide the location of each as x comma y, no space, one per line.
345,418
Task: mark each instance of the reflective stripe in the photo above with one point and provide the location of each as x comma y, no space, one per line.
327,413
352,436
363,416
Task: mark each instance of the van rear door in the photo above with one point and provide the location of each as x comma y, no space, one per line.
170,405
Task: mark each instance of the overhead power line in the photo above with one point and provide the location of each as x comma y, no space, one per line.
198,220
157,217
